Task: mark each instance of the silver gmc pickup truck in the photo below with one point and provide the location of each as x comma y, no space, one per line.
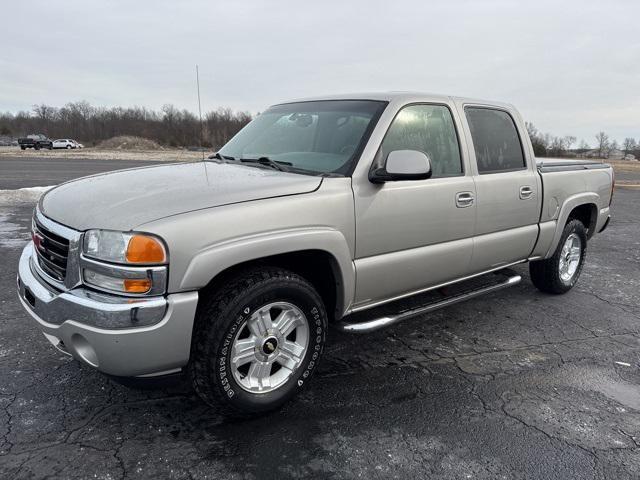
232,269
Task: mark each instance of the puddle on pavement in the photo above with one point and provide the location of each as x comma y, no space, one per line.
12,234
608,384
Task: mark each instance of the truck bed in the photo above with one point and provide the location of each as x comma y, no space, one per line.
564,164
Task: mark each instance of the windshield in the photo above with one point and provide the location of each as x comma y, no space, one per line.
322,137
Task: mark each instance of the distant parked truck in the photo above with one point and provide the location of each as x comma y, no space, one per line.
35,141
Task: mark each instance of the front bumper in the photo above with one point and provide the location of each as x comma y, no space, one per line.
89,325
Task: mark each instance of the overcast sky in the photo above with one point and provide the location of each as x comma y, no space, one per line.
570,66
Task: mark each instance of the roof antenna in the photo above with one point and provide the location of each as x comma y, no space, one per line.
200,112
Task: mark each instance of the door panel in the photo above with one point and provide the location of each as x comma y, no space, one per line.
500,204
414,234
507,188
410,235
501,248
393,274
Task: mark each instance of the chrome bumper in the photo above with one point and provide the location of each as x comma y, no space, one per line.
117,335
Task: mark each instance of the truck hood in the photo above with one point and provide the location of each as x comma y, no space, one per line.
126,199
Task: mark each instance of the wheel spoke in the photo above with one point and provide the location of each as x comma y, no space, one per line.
286,322
290,355
570,257
259,375
252,356
260,323
243,351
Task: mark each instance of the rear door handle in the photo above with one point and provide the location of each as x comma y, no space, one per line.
464,199
525,192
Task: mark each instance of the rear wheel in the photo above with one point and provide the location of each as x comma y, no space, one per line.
559,273
68,147
257,341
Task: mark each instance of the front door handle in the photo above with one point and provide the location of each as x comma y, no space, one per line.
525,192
464,199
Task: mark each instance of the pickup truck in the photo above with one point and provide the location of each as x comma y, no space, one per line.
322,211
37,142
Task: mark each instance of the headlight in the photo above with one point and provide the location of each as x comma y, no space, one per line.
137,262
119,247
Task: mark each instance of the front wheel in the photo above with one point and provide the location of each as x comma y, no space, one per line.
559,273
257,341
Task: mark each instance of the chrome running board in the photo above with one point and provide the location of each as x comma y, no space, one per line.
511,278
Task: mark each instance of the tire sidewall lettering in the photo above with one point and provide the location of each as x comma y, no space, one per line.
226,379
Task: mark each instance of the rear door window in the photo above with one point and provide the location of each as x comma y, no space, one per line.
495,140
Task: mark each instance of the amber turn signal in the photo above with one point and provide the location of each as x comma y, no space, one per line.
137,285
145,249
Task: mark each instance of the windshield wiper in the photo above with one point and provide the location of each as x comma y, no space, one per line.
219,156
276,165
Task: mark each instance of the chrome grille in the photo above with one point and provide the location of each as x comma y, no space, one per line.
52,252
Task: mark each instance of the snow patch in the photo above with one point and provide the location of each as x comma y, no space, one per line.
22,195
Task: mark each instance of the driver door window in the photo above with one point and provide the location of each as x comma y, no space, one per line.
429,129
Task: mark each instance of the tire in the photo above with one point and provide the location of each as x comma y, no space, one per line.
36,147
226,322
68,147
23,148
559,273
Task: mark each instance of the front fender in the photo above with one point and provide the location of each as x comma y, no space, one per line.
213,260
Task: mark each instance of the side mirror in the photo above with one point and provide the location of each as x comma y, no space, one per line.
403,165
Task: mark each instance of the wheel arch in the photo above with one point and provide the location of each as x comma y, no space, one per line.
583,207
320,256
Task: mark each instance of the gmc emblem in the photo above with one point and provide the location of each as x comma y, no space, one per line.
38,240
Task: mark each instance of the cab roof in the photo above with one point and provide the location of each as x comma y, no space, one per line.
402,98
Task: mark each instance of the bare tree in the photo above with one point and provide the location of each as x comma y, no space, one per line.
603,144
583,145
567,141
628,146
539,142
612,147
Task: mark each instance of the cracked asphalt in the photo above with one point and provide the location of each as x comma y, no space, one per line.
517,384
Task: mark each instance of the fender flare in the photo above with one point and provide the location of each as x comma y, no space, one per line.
215,259
567,207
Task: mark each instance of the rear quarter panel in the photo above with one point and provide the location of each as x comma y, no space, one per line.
565,190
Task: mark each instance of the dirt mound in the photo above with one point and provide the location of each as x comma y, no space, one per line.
125,142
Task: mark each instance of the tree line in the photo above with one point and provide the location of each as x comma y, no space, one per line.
174,127
90,124
547,145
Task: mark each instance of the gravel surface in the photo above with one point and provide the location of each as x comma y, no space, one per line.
517,384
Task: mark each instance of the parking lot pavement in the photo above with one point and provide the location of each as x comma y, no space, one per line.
22,171
517,384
